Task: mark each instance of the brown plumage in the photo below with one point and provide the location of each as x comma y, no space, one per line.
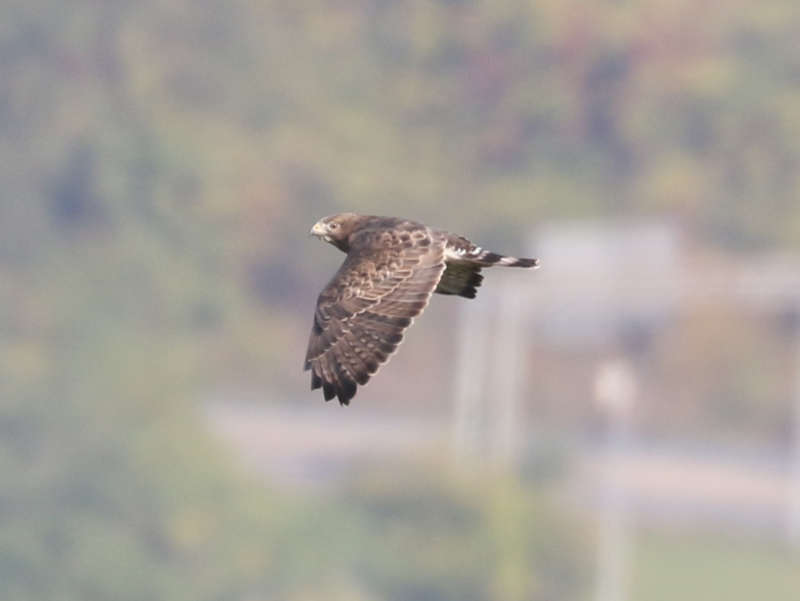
391,269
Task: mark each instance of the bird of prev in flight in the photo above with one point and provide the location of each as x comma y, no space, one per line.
391,269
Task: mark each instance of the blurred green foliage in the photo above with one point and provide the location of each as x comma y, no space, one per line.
493,541
160,163
715,568
175,153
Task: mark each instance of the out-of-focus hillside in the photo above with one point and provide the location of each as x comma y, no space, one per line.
161,164
173,155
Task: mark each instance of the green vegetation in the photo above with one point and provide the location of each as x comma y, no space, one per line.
160,164
466,541
713,569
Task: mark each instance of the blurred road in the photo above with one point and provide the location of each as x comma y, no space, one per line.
709,487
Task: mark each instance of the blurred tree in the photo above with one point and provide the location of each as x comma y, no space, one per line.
438,537
199,140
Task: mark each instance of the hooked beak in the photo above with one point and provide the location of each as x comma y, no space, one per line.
318,230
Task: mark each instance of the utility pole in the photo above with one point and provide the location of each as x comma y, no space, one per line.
615,394
793,523
469,382
507,361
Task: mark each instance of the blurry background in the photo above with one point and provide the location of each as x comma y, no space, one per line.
623,423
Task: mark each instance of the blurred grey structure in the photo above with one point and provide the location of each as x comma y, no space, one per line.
794,496
611,287
615,393
601,280
607,291
602,285
605,288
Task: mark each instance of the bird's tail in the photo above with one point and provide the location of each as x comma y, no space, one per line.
460,250
488,259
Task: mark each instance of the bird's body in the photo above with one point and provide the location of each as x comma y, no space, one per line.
392,267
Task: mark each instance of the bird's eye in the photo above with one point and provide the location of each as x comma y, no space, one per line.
334,226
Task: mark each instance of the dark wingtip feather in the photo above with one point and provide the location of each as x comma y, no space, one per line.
346,392
316,381
471,288
328,391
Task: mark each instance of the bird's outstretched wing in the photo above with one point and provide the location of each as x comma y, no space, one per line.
385,281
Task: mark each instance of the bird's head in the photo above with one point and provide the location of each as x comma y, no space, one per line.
336,229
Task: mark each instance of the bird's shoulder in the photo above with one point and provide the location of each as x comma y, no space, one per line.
390,234
382,253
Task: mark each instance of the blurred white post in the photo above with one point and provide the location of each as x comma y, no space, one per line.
505,390
793,526
615,394
470,372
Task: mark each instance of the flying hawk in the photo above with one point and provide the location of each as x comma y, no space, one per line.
391,269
